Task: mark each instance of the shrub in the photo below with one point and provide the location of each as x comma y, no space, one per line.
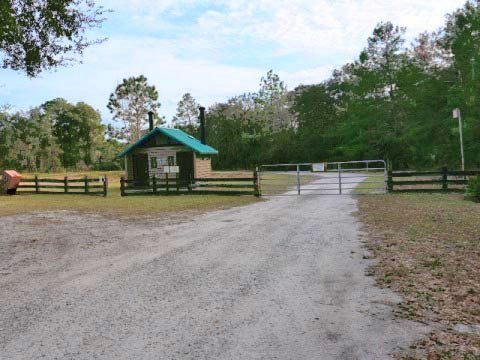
108,166
473,188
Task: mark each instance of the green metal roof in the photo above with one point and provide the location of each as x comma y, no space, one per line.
177,135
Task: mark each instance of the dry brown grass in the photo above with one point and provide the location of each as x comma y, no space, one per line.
233,174
428,248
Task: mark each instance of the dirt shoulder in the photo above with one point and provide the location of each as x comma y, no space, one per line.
428,250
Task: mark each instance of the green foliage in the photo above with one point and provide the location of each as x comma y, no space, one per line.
41,34
131,102
186,117
57,135
107,166
473,188
77,129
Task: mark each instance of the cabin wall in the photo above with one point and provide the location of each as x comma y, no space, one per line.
158,158
128,167
203,166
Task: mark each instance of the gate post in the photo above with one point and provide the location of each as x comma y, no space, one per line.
122,186
390,181
444,178
339,177
298,179
105,186
154,184
256,180
37,186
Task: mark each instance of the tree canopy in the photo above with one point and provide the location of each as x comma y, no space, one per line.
186,117
57,135
42,34
131,102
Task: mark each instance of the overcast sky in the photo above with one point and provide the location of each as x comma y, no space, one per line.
218,48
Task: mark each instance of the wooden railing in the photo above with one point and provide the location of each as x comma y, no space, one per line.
429,181
84,186
197,186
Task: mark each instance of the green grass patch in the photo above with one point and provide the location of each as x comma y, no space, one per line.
370,185
114,204
278,183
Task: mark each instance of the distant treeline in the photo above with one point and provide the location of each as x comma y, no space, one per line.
394,102
57,135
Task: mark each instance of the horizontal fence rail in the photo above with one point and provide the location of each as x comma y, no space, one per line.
84,186
197,186
443,180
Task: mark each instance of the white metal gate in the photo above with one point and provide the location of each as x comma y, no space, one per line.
331,178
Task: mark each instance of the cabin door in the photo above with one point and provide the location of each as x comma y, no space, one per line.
185,163
140,167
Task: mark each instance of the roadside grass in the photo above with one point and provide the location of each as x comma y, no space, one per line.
115,205
428,250
279,183
370,185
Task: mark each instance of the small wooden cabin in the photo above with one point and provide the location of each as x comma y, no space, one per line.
162,148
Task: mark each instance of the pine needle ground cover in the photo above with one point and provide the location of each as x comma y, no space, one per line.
428,250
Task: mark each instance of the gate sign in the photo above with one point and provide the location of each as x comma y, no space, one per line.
456,113
319,167
171,169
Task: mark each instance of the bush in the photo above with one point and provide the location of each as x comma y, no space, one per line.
473,189
107,166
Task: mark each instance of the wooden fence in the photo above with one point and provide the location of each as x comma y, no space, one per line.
199,186
429,181
84,186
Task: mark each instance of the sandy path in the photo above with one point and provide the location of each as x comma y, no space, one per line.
280,279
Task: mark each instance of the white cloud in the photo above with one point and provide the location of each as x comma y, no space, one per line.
322,26
105,66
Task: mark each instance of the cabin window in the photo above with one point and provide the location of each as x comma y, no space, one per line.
171,161
153,162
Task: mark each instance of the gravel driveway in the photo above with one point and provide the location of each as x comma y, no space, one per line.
279,279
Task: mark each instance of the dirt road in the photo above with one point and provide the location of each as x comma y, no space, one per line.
280,279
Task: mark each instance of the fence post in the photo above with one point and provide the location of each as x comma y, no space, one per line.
444,178
154,184
122,186
390,181
339,166
166,182
86,184
105,186
65,184
37,189
298,179
256,189
177,183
